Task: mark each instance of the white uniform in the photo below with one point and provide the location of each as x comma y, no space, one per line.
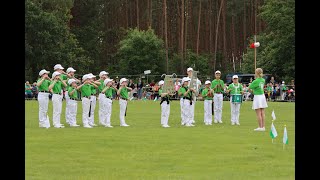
72,106
93,101
218,102
43,99
181,110
85,111
165,113
68,116
123,106
108,110
208,112
235,107
102,108
194,101
57,107
187,112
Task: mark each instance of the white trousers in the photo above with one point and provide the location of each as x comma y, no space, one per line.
123,106
93,100
181,110
187,116
218,102
72,116
43,99
66,95
192,109
85,111
165,113
208,111
235,111
102,108
108,110
57,107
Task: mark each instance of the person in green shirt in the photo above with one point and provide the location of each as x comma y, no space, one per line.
236,92
106,112
72,105
207,95
85,89
55,87
102,102
186,92
123,100
27,92
93,98
63,75
43,98
259,99
218,88
70,75
165,105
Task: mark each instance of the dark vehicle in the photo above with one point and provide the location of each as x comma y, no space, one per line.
229,77
248,78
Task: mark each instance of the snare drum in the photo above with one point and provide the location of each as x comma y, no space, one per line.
236,98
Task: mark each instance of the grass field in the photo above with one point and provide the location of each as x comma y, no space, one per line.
145,150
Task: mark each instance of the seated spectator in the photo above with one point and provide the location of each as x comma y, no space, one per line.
35,90
28,90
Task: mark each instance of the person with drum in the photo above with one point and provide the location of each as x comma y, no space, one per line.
236,93
207,94
259,99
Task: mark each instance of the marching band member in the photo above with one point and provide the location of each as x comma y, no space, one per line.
43,98
63,75
107,91
93,98
55,87
102,103
165,105
70,75
236,92
218,87
85,89
187,102
123,100
259,99
207,94
189,72
72,105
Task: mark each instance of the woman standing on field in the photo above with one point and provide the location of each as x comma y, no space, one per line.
259,99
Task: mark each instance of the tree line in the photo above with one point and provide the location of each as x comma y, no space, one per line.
208,35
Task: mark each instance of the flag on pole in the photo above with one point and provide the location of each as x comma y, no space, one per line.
273,115
273,131
285,135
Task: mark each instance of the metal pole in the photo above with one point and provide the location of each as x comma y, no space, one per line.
255,54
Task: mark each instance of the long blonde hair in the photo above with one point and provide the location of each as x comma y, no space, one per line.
259,72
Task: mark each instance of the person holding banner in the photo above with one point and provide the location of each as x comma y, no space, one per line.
187,102
236,93
107,91
259,99
43,98
123,100
165,105
218,87
207,94
85,89
194,97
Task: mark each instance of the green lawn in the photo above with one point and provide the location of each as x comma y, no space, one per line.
145,150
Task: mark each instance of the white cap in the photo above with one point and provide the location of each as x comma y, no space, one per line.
282,82
56,73
207,82
43,71
90,75
103,73
235,76
70,69
106,81
161,82
189,69
185,79
122,80
57,66
218,72
70,81
85,77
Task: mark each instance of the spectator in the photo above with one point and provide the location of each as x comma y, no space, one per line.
176,88
277,91
272,80
140,86
283,90
152,83
132,86
155,89
35,90
28,92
